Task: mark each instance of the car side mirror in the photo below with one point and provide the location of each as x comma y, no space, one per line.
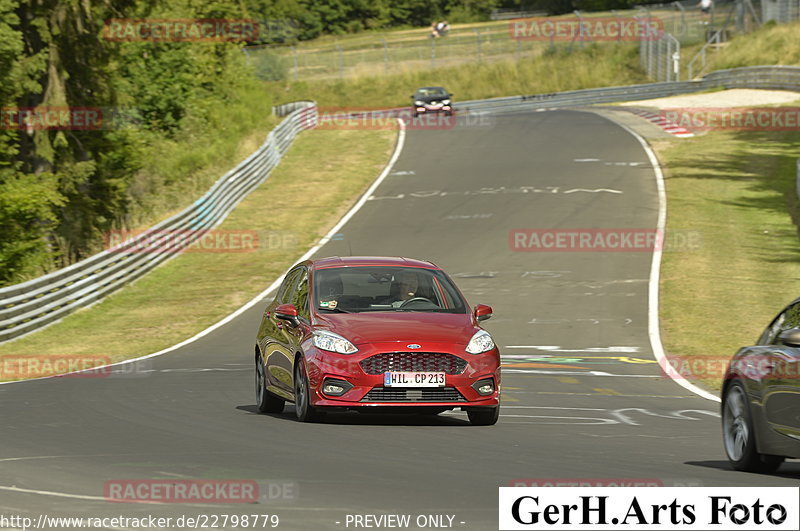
482,312
287,312
790,338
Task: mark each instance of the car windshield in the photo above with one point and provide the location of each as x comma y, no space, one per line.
383,289
429,92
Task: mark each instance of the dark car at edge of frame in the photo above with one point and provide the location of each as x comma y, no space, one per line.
761,397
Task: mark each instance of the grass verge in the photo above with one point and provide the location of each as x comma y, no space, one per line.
737,189
311,189
595,65
771,44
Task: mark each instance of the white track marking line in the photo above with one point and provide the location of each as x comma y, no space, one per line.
92,498
510,369
555,348
401,137
653,327
52,493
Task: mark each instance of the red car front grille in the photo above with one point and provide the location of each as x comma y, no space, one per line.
425,394
413,362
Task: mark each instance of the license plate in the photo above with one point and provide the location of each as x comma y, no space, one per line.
413,379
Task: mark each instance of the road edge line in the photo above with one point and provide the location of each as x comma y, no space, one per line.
653,327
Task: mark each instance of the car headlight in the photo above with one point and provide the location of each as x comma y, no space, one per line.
446,102
333,342
419,103
480,342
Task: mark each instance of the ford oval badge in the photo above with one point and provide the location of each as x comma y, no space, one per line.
413,346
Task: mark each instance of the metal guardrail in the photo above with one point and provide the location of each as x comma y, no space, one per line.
34,304
757,77
509,14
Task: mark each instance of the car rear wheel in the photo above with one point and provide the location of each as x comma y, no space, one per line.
302,396
265,401
483,416
738,434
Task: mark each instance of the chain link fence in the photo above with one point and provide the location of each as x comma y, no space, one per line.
378,57
780,11
687,25
683,25
414,50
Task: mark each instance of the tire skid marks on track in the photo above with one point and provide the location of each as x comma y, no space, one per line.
585,320
557,348
603,416
613,163
511,369
500,190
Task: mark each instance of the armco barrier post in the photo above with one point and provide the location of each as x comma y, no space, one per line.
798,179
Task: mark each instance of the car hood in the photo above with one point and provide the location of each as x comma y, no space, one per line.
416,327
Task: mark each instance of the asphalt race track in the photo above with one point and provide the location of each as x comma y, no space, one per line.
583,396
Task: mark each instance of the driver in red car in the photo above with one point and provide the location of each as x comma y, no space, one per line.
405,287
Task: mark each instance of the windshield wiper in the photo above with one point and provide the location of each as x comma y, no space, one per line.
337,309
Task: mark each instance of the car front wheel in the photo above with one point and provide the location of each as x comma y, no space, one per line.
302,396
738,434
265,401
483,416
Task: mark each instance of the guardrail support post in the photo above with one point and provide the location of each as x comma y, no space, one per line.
798,179
385,56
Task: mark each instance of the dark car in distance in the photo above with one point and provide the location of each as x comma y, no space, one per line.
761,397
432,99
375,334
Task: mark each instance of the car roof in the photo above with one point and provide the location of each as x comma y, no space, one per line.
431,88
359,261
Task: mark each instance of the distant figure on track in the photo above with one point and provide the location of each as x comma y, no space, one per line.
439,29
705,8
